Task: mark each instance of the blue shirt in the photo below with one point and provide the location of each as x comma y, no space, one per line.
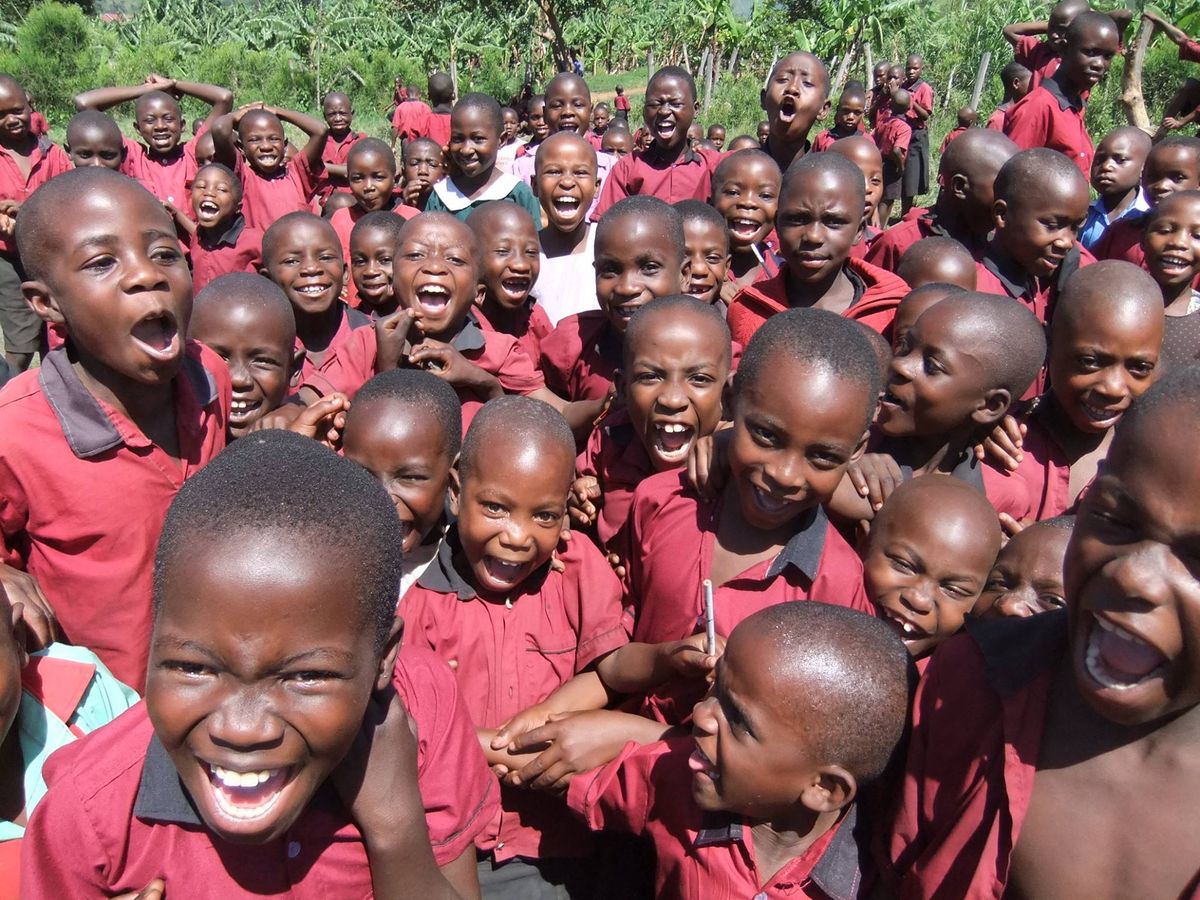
1097,220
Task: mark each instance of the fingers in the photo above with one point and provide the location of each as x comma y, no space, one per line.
1011,526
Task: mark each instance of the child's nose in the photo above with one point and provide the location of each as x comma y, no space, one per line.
918,597
241,723
1020,603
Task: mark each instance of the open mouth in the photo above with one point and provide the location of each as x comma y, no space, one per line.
770,504
433,299
516,286
242,411
503,572
1174,265
1103,416
246,796
702,765
745,229
158,336
787,109
909,632
207,210
700,288
1119,660
313,291
672,440
664,130
567,206
624,311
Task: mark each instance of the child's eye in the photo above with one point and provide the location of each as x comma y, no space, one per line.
956,590
761,436
932,367
492,509
900,564
1052,601
311,677
165,255
546,518
1141,369
100,263
702,380
1089,363
183,667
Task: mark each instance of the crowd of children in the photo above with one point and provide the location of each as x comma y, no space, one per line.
602,513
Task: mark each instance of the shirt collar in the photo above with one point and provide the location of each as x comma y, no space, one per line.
470,336
442,576
839,871
87,427
1055,90
1016,651
1004,267
160,796
803,550
456,201
230,235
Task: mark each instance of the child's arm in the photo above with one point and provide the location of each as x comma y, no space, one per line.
1017,30
1174,34
181,220
105,98
444,361
317,131
40,622
863,489
639,667
378,783
225,149
219,98
581,415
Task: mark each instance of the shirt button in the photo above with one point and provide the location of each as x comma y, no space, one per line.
500,846
453,663
293,849
761,896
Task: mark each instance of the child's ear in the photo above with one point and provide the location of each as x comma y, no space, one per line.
825,107
1000,213
762,100
387,662
454,491
685,274
833,789
960,186
619,384
37,295
298,355
992,407
728,397
480,293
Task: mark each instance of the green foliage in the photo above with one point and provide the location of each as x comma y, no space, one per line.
53,54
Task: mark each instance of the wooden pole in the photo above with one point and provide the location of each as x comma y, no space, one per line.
980,77
1132,97
869,80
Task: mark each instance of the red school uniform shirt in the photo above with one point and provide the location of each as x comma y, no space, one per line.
534,327
617,459
895,133
1037,56
997,273
352,320
510,654
622,102
83,495
335,154
266,199
951,136
437,128
167,177
411,119
1045,469
117,816
978,721
688,177
350,363
235,248
1123,240
888,249
877,293
581,355
48,159
1046,117
648,791
921,92
668,548
998,117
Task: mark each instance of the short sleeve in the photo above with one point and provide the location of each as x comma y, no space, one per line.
61,854
457,788
616,185
618,796
503,357
1026,124
599,594
347,366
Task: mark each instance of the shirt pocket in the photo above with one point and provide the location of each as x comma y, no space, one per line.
550,660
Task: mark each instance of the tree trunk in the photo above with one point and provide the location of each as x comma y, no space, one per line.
687,62
1132,97
843,68
949,87
650,62
980,79
562,59
454,68
733,61
869,81
701,72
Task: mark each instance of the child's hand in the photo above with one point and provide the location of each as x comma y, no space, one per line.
323,421
579,742
378,778
411,193
874,477
581,504
155,890
1004,445
281,418
8,217
444,361
391,339
707,464
564,536
618,564
689,659
1012,527
526,720
37,615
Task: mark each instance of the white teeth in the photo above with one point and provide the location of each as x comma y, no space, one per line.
434,289
229,778
1120,632
1097,669
673,428
312,289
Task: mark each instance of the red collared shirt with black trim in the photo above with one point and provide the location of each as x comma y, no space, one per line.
1048,117
83,496
116,815
235,248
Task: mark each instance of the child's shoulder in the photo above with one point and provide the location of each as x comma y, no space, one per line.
577,328
103,769
17,393
660,491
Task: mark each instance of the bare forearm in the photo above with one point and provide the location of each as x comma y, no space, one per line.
219,98
104,98
1013,33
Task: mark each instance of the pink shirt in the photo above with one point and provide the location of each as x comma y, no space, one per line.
235,249
264,200
166,177
47,160
689,177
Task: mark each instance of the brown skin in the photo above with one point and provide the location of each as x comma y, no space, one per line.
748,733
1103,355
1027,578
919,267
372,254
914,303
669,108
1168,169
568,104
746,193
565,179
635,262
796,96
276,670
306,253
1117,167
968,175
1114,763
258,345
1038,229
13,658
708,257
511,261
818,222
675,374
372,177
931,548
404,446
424,165
91,146
1171,243
474,141
863,153
511,511
788,451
